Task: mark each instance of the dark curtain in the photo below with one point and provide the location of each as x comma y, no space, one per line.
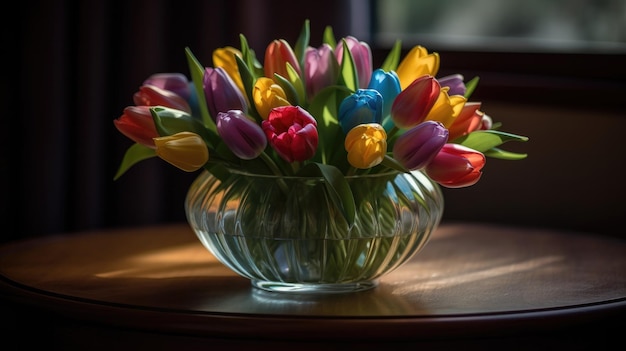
70,69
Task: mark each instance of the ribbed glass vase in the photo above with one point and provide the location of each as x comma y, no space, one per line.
286,234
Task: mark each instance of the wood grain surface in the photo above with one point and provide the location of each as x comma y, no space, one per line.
469,280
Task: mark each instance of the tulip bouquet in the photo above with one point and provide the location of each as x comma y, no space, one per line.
315,111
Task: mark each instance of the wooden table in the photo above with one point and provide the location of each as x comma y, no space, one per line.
474,286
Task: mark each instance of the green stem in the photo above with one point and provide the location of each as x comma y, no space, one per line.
274,168
392,132
351,171
271,164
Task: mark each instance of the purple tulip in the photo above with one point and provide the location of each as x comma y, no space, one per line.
244,137
174,82
221,92
454,82
418,146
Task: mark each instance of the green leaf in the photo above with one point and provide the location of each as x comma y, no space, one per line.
197,72
288,88
504,155
302,43
324,108
248,79
254,67
329,37
135,153
483,140
296,81
393,58
347,72
471,86
392,163
170,121
336,185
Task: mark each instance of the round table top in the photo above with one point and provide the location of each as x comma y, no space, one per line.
468,278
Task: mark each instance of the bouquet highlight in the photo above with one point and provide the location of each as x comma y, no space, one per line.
315,111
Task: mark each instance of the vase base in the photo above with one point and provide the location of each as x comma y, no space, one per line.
314,288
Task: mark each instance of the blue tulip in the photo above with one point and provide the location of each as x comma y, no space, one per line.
388,85
362,107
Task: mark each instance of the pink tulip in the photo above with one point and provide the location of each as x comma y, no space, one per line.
362,56
174,82
320,69
151,95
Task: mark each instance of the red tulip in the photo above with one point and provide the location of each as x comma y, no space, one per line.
413,104
292,132
137,124
456,166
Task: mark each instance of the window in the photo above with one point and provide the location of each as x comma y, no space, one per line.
597,26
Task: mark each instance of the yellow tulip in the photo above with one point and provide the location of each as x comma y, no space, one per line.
267,95
366,145
185,150
447,108
225,58
418,62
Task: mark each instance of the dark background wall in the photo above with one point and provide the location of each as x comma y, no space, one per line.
72,66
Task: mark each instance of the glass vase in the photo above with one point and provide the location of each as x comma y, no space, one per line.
286,234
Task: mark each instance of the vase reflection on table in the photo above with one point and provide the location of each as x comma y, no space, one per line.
299,241
319,173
